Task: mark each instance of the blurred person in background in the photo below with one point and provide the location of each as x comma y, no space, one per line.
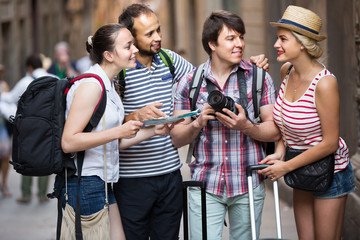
5,144
62,65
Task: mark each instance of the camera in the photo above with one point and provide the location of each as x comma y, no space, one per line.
218,101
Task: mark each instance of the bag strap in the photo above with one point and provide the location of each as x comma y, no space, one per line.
94,120
195,86
100,107
105,169
282,103
257,89
242,88
168,61
194,90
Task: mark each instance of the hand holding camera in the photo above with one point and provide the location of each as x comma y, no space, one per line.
236,117
218,101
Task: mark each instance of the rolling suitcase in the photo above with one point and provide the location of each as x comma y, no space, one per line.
202,186
249,171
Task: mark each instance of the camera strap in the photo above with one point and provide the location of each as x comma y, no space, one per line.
210,86
242,87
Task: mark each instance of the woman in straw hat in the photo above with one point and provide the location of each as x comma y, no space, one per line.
307,113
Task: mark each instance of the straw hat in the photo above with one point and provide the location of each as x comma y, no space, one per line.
302,21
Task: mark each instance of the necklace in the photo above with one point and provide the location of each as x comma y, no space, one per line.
301,82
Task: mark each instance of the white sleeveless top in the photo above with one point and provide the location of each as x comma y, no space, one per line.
114,116
302,123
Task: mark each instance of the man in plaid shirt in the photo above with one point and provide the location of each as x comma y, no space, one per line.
228,142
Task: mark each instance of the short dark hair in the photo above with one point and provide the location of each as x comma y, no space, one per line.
34,61
215,22
131,12
103,40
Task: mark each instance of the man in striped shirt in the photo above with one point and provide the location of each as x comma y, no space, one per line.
228,141
149,191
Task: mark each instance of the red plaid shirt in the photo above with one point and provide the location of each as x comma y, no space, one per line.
222,154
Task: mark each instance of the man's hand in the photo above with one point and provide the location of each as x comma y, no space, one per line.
233,121
261,61
150,111
207,113
162,129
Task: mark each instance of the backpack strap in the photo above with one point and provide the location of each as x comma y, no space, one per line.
194,90
257,88
94,120
121,82
195,85
168,61
100,107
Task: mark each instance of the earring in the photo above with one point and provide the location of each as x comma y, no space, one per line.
301,48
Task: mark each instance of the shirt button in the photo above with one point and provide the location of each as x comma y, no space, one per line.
226,158
226,141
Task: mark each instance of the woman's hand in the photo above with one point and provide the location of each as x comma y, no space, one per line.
277,168
130,129
275,171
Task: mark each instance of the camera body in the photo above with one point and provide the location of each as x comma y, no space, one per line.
218,101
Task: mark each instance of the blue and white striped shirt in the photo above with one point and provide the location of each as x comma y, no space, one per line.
155,156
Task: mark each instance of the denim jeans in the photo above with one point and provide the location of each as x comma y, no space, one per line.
92,194
342,184
216,207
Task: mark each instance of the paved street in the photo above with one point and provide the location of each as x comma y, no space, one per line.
37,221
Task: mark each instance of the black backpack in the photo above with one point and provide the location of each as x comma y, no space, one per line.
257,89
39,124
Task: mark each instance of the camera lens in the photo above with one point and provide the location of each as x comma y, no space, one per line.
217,100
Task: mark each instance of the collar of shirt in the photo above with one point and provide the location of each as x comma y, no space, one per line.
245,65
156,60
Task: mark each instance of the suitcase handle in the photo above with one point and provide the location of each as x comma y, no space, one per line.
200,184
251,168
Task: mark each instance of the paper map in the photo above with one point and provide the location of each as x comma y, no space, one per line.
163,120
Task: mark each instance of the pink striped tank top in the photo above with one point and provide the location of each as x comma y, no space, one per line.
302,123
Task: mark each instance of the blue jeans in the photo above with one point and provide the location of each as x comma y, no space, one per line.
216,207
342,184
92,194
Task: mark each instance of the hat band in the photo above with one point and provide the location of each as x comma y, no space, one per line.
297,25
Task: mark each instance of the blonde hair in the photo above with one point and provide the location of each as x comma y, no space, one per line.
311,45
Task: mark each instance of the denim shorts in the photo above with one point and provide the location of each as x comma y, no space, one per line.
92,193
342,184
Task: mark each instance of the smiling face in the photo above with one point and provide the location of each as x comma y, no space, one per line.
229,47
125,50
286,45
148,34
